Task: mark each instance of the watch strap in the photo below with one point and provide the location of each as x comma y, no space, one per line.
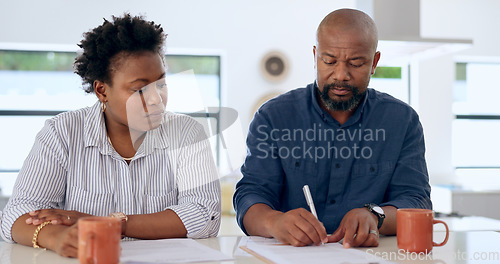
123,217
379,216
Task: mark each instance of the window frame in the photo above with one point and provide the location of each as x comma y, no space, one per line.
29,47
479,60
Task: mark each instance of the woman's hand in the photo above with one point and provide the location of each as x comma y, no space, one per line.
65,243
55,216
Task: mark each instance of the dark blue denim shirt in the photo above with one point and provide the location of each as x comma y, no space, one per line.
377,156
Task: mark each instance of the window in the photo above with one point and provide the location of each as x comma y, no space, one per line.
475,129
36,85
392,80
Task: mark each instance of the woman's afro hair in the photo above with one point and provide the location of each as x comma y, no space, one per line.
127,34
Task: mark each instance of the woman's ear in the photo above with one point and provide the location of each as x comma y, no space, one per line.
100,90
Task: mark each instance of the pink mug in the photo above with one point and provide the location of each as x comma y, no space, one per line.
99,240
415,230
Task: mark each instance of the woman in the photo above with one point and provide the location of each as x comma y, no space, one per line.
125,156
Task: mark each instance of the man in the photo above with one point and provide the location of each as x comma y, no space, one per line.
360,151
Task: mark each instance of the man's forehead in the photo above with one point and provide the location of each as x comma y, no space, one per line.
335,47
334,40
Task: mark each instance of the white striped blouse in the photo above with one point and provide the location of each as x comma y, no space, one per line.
72,166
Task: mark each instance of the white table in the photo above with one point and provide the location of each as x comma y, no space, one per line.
462,247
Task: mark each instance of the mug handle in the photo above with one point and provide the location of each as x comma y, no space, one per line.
447,233
90,252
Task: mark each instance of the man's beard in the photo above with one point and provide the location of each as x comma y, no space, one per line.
341,105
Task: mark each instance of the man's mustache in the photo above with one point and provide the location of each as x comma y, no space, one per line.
346,86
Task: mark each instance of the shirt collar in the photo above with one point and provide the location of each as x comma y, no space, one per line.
95,134
156,138
324,115
94,128
327,117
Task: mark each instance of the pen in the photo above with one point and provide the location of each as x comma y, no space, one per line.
309,199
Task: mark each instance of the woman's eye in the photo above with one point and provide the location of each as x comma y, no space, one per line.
142,90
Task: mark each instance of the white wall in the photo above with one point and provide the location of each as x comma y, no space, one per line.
477,20
243,30
433,98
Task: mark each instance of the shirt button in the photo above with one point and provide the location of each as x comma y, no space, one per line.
372,169
337,165
332,201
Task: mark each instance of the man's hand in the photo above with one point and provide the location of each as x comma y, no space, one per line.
297,227
355,229
56,216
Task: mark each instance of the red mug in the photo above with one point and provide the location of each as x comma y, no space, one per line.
415,230
99,240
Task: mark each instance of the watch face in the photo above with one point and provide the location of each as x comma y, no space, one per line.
378,210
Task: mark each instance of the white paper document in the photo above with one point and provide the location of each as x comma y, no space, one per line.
182,250
249,240
328,253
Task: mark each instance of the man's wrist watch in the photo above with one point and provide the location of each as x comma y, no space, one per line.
378,212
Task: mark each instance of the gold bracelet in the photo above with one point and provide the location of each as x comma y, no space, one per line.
35,235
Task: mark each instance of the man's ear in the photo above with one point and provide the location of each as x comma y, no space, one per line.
314,55
100,90
376,58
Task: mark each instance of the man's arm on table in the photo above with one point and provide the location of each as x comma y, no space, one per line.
299,227
389,225
408,188
357,226
296,227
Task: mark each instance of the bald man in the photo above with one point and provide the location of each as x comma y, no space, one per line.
360,151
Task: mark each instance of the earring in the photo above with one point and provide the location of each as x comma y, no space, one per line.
103,106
